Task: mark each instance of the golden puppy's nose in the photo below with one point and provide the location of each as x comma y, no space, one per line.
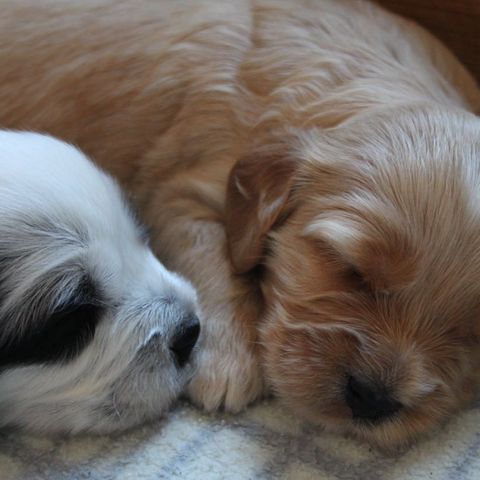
369,402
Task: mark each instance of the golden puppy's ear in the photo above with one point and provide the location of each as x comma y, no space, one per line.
257,191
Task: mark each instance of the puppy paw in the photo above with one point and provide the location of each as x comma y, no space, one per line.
230,381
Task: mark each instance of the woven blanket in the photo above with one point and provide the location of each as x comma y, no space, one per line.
265,442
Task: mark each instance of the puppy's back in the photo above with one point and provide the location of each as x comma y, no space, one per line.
111,77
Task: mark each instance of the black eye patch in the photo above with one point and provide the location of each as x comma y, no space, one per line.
65,334
58,338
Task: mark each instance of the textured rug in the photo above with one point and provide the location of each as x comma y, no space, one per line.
265,442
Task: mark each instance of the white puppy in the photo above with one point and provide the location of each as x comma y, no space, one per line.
95,334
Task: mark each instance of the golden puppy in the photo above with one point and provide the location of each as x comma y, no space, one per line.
312,167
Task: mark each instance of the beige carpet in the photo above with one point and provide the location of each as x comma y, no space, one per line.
263,443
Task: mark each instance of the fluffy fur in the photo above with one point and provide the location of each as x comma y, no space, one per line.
312,167
93,327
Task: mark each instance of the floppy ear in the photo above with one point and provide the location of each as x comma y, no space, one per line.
257,191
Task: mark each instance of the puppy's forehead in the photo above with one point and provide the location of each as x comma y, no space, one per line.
426,195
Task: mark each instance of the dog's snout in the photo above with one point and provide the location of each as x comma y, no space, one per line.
369,402
185,339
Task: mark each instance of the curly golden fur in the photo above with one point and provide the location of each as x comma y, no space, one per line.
312,167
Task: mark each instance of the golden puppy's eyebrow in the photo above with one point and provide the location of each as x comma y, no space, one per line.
385,262
338,239
335,228
340,232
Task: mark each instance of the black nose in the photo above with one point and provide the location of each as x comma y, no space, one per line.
369,402
185,339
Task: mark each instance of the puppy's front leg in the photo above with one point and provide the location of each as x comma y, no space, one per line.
228,371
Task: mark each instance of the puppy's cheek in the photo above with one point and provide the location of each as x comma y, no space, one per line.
308,372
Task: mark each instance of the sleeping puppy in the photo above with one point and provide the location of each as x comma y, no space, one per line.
312,167
95,334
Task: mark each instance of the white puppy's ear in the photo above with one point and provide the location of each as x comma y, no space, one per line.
257,192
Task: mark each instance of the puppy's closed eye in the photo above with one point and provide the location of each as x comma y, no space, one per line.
355,276
343,268
383,263
61,336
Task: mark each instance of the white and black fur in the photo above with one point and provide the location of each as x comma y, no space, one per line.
95,334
